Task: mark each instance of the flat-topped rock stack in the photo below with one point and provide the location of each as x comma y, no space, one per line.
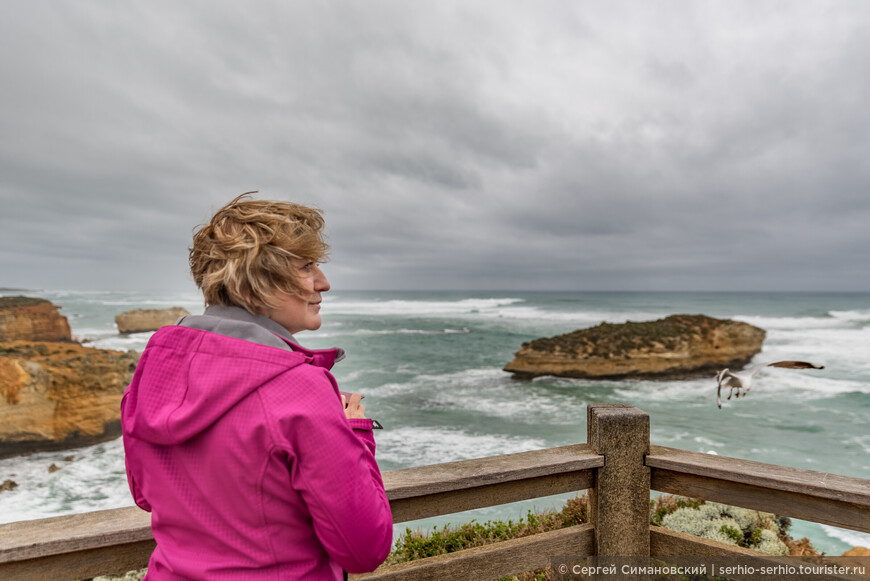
55,393
55,396
674,347
31,319
142,320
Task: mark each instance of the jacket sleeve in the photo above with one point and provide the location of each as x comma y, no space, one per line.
138,497
333,467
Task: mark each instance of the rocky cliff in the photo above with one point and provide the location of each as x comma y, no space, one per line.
60,395
141,320
31,319
676,346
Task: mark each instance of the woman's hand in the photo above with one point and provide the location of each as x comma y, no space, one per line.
352,407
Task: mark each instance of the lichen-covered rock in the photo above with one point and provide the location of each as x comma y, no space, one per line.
676,346
31,319
55,396
142,320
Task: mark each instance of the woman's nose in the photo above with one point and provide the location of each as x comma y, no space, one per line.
320,282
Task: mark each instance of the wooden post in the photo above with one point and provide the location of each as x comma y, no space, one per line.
619,501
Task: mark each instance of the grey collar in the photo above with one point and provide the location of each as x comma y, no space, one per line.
238,323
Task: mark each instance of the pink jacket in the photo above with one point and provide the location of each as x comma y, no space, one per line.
245,459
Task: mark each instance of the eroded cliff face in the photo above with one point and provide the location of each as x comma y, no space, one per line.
676,346
141,320
31,319
60,395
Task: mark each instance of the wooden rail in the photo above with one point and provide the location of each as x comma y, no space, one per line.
819,497
617,465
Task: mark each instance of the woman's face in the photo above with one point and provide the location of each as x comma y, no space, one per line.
302,313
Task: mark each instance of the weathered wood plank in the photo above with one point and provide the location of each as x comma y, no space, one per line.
31,539
405,509
680,548
838,513
491,561
770,476
73,566
436,478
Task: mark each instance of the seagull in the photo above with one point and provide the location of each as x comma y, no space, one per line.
742,380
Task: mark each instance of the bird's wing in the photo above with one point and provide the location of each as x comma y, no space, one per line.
795,365
751,370
727,378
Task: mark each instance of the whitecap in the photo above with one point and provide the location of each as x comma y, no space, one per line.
707,441
470,378
377,332
418,446
802,385
852,538
768,323
857,316
514,402
404,307
94,479
658,436
862,441
842,350
581,319
665,391
134,341
491,308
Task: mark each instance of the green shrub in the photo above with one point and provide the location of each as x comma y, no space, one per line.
666,504
729,524
418,545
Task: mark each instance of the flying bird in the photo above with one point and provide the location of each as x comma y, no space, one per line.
741,381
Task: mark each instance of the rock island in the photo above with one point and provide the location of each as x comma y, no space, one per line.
677,346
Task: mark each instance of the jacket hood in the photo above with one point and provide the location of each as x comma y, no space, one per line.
187,378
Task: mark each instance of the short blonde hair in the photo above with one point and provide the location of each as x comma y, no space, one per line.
243,256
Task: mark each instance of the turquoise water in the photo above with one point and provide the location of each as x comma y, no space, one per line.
430,366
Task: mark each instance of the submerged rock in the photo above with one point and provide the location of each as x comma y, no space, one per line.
31,319
55,396
142,320
676,346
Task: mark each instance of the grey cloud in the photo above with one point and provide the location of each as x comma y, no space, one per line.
561,145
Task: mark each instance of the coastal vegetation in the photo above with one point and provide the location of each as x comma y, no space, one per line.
733,525
737,526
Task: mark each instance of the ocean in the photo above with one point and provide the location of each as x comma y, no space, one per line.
430,367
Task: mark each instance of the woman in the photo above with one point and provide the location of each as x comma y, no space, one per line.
237,439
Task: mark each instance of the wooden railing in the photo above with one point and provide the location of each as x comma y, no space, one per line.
617,465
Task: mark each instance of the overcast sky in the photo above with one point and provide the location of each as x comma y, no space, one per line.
641,145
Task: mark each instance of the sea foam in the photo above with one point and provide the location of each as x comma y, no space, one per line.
418,446
853,538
